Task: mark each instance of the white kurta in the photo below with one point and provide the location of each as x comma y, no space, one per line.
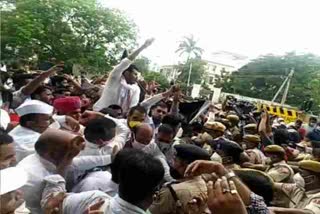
119,141
113,89
97,181
38,168
25,139
79,202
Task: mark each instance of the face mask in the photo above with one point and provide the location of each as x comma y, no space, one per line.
244,146
148,148
318,128
133,124
138,145
312,124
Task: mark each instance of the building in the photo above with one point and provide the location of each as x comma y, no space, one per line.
219,64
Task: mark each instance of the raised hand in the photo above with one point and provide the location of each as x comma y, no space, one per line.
201,167
148,42
224,198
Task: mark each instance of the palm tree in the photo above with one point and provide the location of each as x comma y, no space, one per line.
189,46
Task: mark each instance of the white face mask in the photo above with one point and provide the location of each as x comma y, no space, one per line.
138,145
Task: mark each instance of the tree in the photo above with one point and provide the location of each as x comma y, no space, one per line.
189,47
197,74
158,77
77,31
143,64
262,77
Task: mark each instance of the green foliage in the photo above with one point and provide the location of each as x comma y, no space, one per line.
262,77
158,77
143,64
75,31
197,72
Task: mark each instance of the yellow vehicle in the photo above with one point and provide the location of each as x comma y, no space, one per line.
288,114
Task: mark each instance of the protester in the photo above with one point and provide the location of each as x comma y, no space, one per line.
129,138
55,153
7,150
35,118
11,197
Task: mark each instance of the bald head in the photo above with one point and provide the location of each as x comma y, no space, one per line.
56,144
143,133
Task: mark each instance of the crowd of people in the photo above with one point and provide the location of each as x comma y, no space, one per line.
111,145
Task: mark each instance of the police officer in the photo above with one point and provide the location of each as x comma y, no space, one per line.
234,129
177,197
250,128
251,143
307,199
278,169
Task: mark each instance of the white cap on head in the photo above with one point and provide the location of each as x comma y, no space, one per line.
34,107
11,179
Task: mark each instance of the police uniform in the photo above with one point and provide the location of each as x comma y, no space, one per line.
281,171
174,197
255,155
230,151
301,199
251,127
235,131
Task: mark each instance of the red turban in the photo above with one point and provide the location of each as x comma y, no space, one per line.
66,105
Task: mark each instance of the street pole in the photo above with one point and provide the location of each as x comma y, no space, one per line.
190,69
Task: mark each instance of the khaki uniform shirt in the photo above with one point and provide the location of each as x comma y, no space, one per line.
303,200
280,172
185,192
256,156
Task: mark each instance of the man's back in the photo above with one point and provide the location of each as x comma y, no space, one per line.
37,169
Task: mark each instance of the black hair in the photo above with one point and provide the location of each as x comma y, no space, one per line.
27,118
137,108
166,129
257,183
172,120
100,128
160,104
196,127
313,118
115,107
39,90
139,177
119,160
109,111
5,138
280,137
132,68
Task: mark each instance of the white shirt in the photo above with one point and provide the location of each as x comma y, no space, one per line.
25,139
97,181
38,168
76,203
153,149
119,141
113,89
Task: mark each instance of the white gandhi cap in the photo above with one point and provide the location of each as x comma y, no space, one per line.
11,179
34,107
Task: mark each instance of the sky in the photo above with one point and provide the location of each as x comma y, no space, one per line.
246,27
